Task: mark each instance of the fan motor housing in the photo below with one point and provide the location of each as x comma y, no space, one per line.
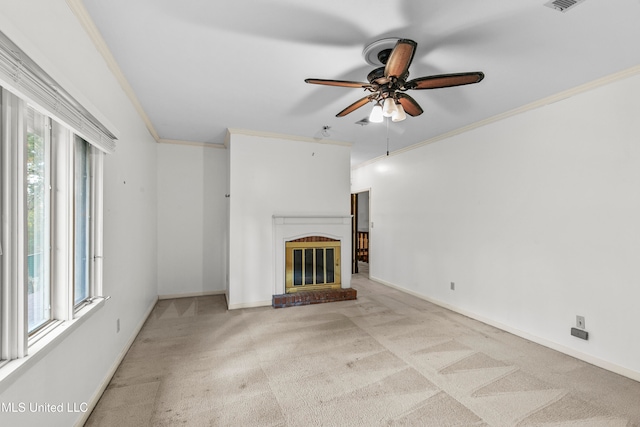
377,76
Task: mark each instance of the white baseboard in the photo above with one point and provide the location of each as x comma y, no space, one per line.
604,364
107,379
249,304
191,294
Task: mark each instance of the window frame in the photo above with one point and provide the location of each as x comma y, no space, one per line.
16,341
23,82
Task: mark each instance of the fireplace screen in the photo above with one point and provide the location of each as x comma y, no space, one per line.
312,265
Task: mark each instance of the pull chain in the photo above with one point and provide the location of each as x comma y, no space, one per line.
387,136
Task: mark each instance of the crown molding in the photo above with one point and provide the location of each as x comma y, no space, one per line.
612,78
192,143
81,13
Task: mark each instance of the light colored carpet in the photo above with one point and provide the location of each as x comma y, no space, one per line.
386,358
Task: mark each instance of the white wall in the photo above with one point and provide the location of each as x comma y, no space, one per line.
271,175
191,219
74,369
535,218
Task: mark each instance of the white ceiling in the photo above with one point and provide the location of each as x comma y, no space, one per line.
199,67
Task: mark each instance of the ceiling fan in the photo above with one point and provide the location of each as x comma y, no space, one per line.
388,83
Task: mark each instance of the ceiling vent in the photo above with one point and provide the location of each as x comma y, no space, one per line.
563,5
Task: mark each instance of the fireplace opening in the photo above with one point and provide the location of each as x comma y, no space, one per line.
312,263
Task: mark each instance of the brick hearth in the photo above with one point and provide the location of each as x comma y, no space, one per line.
313,297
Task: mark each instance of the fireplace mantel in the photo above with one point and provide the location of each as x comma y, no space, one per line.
291,227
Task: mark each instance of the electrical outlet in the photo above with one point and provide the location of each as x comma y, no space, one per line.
453,286
580,322
117,325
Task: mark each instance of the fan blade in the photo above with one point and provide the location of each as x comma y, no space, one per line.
341,83
400,58
351,108
409,104
444,80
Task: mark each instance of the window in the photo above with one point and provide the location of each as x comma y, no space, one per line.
50,197
51,162
38,220
82,217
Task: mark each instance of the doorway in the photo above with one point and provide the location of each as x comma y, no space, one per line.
360,236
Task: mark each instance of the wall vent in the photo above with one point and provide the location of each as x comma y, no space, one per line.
563,5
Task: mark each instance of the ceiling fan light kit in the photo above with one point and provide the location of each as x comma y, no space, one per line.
398,115
376,116
388,83
389,107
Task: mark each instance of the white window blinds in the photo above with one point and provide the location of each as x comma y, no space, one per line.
20,74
